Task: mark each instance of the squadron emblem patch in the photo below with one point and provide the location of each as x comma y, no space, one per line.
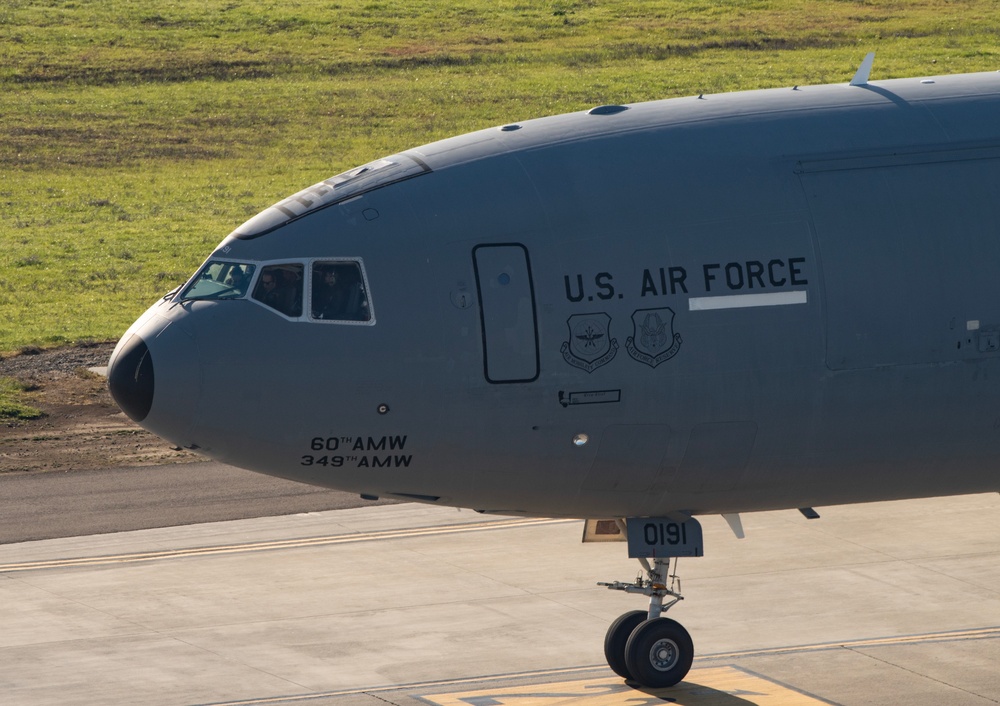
590,344
654,341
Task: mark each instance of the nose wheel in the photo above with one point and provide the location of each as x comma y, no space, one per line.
659,652
616,640
642,646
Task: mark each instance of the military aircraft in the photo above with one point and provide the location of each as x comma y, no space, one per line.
772,299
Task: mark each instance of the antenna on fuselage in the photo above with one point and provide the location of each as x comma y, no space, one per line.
864,71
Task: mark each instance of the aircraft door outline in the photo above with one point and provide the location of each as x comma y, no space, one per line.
507,313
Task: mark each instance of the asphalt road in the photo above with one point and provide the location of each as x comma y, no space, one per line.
75,503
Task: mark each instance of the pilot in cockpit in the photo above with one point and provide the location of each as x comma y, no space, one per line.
280,287
338,293
238,280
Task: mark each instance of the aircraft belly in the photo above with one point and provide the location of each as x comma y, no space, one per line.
715,459
811,438
630,459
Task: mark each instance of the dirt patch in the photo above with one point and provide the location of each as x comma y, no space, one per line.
82,428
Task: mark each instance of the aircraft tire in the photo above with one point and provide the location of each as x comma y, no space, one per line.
659,653
617,638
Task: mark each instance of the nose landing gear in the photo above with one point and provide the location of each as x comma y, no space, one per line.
643,646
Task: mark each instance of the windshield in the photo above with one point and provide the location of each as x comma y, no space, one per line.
220,280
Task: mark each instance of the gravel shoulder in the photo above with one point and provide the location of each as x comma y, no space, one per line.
82,428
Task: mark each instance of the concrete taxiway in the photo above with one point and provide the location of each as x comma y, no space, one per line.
406,604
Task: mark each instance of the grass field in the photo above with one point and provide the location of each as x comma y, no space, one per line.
12,404
135,134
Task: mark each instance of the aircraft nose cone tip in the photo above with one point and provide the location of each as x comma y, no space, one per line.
130,378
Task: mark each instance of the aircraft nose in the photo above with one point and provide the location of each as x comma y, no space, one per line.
130,378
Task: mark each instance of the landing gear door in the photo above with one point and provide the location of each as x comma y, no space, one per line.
507,313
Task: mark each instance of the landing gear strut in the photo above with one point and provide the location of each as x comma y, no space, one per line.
643,646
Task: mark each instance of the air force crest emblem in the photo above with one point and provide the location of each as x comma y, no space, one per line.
654,340
590,344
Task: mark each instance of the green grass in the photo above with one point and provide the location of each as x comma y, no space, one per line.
134,135
12,405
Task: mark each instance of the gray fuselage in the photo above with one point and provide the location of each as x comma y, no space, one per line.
760,300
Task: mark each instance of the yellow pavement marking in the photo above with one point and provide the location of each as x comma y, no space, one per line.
702,687
279,544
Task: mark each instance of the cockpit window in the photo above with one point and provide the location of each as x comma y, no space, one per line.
280,287
338,292
337,287
220,280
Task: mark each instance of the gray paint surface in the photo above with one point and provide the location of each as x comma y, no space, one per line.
812,267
